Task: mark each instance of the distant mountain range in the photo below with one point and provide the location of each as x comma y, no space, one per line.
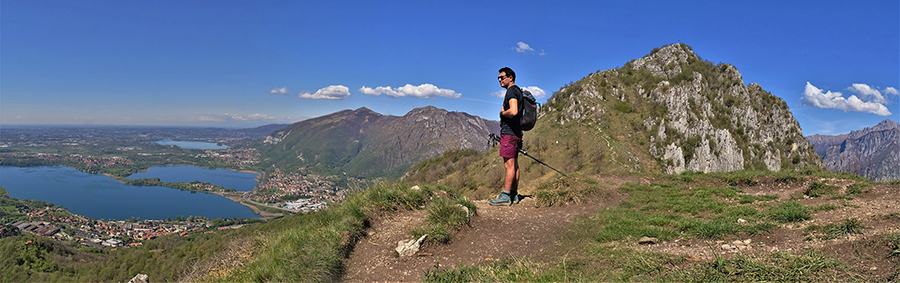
364,143
872,152
261,132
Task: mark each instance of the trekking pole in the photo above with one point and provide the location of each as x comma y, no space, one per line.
496,139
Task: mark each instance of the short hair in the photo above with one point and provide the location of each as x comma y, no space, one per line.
509,73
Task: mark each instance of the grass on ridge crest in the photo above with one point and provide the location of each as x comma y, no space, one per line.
600,246
313,246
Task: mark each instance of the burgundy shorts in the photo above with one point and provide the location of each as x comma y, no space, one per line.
509,146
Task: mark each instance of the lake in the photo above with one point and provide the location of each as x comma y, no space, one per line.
98,196
192,144
241,181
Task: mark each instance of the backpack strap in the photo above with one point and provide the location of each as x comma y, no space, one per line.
519,99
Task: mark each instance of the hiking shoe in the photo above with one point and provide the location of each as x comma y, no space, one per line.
502,200
517,198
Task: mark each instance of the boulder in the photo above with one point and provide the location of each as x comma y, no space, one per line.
648,241
409,248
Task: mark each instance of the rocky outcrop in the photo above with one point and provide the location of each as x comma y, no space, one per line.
140,278
872,152
697,116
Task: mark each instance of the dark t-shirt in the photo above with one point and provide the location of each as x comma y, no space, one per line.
510,126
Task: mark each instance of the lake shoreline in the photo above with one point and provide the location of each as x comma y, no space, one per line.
236,198
239,199
97,198
257,178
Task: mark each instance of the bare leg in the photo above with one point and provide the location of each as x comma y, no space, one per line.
511,182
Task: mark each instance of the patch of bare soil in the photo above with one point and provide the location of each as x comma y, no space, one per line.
866,254
520,231
525,231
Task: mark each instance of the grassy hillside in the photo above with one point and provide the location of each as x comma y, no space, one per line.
362,143
691,208
320,145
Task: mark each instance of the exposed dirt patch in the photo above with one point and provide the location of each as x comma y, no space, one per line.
525,231
520,230
866,253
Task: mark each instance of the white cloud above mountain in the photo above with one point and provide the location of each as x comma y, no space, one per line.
420,91
869,100
867,93
330,92
537,92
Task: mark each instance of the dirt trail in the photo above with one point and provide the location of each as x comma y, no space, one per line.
524,231
517,231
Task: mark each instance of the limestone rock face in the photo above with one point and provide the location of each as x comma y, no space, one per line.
697,116
872,152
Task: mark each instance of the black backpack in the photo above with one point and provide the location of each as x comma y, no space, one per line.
528,109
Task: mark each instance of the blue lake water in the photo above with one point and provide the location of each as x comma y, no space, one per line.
192,144
229,179
98,196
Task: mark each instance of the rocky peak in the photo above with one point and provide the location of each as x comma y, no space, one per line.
872,152
364,111
658,59
425,113
885,125
695,115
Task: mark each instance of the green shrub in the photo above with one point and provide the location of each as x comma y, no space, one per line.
744,199
849,226
623,107
893,242
436,233
817,189
785,177
856,189
443,216
459,274
789,212
445,212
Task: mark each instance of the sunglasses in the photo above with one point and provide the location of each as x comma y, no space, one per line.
501,77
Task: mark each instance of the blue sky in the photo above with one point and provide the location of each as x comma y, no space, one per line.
250,63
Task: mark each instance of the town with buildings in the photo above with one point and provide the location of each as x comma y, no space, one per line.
57,223
240,157
297,192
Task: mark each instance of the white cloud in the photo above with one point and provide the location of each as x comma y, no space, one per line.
522,47
252,117
279,90
420,91
537,92
891,90
813,96
330,92
376,91
234,117
211,119
867,93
